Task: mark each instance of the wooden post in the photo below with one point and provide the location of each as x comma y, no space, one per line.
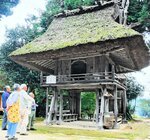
61,107
56,106
97,107
79,105
41,78
113,72
101,120
106,105
49,119
47,90
124,106
72,102
115,106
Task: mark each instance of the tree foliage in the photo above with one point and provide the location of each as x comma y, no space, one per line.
134,89
15,73
88,100
144,105
6,5
139,11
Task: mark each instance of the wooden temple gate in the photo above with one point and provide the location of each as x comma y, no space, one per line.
86,50
84,75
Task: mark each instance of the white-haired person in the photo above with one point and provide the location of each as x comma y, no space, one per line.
32,114
13,109
25,101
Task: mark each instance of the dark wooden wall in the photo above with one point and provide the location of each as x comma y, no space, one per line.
93,65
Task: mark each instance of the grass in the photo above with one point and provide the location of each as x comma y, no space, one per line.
136,130
140,131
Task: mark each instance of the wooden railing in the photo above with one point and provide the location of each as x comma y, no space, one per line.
84,78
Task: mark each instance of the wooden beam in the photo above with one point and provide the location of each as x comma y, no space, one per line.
34,66
61,107
55,105
47,90
78,105
124,120
41,68
106,106
101,119
49,119
97,106
115,106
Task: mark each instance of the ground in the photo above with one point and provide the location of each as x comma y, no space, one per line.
137,130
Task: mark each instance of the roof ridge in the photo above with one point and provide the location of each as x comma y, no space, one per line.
84,9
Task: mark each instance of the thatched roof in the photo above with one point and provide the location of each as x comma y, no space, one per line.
76,32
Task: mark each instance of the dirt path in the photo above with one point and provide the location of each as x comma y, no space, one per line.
57,136
28,137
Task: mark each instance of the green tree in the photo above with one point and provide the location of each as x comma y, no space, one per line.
15,73
139,11
6,5
88,103
134,89
144,107
73,4
4,80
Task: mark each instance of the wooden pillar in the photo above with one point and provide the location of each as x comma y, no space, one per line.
124,106
78,105
106,105
101,120
41,78
113,72
75,104
51,110
115,106
61,107
47,98
56,106
97,106
72,102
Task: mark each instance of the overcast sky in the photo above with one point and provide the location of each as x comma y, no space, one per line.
20,12
29,7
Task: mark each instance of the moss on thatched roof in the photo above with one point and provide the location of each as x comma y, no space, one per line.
78,29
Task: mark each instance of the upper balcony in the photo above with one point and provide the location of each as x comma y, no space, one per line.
87,78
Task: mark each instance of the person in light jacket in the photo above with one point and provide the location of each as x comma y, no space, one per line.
25,101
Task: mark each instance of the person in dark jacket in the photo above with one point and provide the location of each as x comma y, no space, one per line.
5,96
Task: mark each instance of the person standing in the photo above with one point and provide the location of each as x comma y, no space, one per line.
5,96
32,114
25,101
13,109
